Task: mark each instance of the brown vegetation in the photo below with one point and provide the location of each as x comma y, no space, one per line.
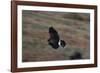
72,27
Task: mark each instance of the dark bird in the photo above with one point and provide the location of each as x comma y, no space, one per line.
54,39
76,55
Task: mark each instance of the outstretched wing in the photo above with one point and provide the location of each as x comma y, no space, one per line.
54,38
53,34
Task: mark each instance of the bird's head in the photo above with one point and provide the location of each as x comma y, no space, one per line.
62,43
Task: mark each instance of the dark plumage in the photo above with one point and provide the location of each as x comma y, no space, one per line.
54,39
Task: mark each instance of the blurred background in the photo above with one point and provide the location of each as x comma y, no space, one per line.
73,28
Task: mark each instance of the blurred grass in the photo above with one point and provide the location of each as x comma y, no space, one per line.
72,27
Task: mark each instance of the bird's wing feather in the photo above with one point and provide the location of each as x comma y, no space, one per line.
53,33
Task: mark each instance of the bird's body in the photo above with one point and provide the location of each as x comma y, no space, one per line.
54,39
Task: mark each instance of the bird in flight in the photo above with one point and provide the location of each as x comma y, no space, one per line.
54,39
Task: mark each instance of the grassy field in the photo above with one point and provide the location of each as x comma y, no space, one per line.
74,28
